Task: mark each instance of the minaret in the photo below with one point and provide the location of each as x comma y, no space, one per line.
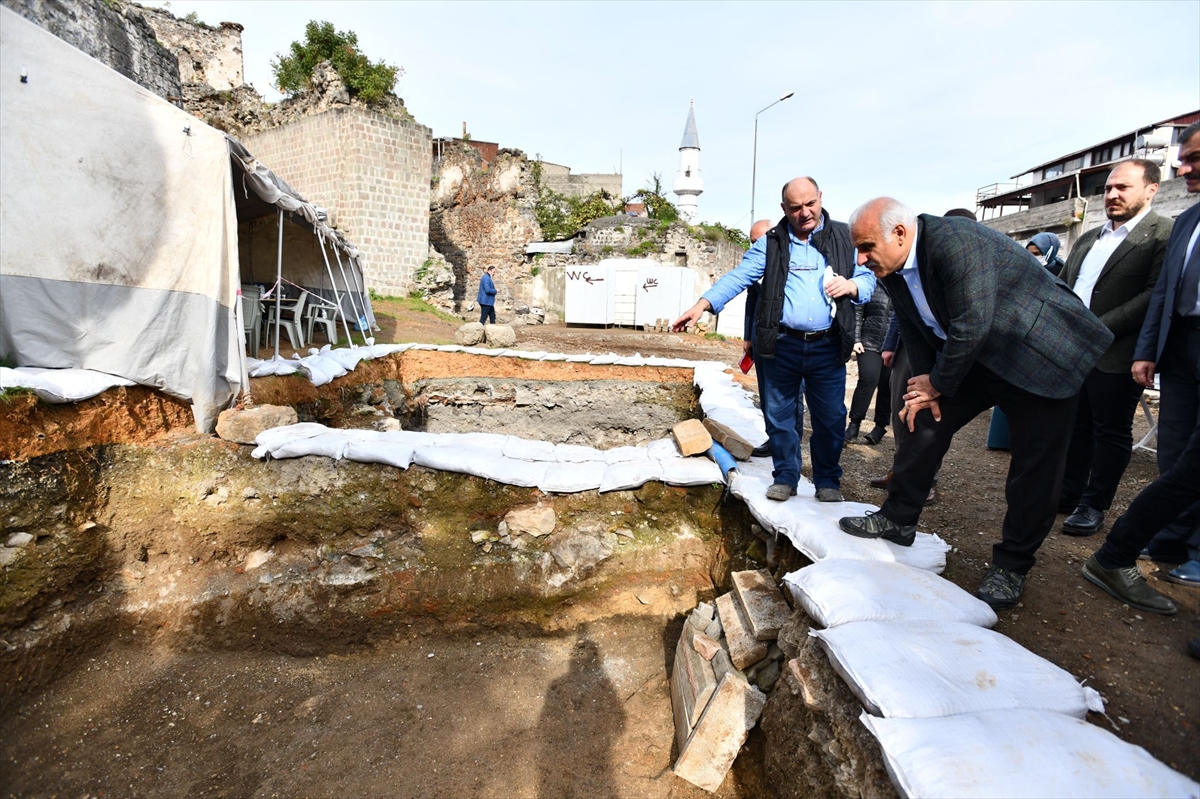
688,184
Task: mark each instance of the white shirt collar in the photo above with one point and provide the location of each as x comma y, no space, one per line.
910,263
1128,226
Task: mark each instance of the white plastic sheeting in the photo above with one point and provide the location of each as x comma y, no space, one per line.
1024,754
835,592
928,669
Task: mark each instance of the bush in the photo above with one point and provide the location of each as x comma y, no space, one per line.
370,82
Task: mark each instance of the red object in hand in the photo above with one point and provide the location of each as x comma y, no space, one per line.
746,363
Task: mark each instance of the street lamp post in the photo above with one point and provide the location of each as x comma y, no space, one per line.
754,167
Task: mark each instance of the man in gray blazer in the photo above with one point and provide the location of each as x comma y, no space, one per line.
984,324
1113,269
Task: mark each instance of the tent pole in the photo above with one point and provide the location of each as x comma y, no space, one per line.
278,282
337,296
360,314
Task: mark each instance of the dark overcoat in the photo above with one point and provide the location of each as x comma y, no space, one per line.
1153,337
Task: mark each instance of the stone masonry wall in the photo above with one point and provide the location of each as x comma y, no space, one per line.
481,217
371,172
112,32
212,56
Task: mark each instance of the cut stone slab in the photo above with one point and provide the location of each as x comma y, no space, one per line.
242,426
744,648
691,437
536,520
469,334
738,447
692,685
765,607
722,665
709,753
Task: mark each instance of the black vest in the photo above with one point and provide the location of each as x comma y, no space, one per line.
833,242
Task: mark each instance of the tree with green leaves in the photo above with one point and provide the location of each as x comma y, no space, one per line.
369,81
657,205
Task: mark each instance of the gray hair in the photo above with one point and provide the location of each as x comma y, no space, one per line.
891,213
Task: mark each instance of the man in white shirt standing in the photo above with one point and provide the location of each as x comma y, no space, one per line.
1113,270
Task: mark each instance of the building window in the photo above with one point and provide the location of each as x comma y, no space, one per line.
1052,171
1126,149
1074,164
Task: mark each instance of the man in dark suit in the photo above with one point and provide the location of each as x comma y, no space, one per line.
1169,344
984,324
1113,269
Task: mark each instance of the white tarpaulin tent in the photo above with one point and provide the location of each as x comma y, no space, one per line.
119,229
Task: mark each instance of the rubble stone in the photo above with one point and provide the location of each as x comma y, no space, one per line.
738,447
469,334
500,336
536,520
243,425
707,647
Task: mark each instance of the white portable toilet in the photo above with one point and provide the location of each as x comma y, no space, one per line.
588,299
663,292
623,274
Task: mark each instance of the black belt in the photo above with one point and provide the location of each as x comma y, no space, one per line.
1186,322
807,335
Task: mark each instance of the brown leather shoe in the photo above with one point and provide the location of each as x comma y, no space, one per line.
882,482
933,495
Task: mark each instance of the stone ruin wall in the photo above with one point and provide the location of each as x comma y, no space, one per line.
371,172
558,178
212,56
481,217
112,32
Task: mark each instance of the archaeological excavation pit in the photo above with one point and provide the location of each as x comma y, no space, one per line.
181,618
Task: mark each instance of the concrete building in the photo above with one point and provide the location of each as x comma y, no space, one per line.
1065,195
688,183
558,178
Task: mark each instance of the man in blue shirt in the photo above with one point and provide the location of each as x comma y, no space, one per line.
487,297
804,333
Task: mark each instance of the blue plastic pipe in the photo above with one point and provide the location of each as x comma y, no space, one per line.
723,459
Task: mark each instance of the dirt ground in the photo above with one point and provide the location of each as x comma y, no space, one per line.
585,713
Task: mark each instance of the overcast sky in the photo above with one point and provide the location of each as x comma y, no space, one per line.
926,102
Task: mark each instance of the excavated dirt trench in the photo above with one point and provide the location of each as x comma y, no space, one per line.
185,620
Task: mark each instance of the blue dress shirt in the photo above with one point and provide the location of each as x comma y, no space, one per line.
806,306
912,277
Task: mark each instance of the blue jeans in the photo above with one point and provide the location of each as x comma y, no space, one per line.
816,368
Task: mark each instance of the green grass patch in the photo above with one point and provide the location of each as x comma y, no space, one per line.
417,304
714,336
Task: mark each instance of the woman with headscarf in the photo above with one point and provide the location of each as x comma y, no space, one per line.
1044,246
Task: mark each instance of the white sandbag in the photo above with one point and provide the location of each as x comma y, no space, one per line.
572,453
276,436
445,459
331,444
1019,753
581,358
927,669
631,474
510,470
60,385
625,454
604,360
663,448
347,358
571,478
812,526
835,592
528,450
491,443
691,472
389,452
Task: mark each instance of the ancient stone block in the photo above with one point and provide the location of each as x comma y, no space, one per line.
744,648
766,610
692,685
721,664
738,447
691,437
469,334
242,426
731,714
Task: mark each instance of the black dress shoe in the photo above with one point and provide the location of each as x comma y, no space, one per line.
876,435
851,431
762,450
1084,521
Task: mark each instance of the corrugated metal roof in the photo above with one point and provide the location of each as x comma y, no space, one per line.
691,139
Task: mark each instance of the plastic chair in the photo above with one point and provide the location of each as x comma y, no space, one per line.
252,316
323,314
293,326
